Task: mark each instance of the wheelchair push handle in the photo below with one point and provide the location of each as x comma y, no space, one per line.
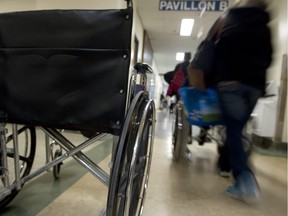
143,68
129,3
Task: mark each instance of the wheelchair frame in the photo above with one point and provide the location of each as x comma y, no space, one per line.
131,153
180,133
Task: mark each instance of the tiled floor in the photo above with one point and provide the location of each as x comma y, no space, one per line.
175,189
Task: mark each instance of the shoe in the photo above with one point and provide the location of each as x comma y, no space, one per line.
234,192
223,170
201,142
246,188
224,174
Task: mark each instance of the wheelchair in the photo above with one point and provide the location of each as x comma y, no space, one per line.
69,70
182,129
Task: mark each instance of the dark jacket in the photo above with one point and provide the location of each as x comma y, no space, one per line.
243,51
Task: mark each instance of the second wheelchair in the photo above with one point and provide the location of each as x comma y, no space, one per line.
213,130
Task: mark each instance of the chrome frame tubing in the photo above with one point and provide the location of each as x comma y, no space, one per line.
135,150
73,151
16,156
4,163
137,78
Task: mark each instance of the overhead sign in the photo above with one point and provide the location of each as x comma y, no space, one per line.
193,5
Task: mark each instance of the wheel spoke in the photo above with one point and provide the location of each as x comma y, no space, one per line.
27,145
126,189
123,182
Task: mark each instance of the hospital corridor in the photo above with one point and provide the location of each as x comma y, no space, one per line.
143,108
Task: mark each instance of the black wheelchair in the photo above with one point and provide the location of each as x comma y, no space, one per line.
70,70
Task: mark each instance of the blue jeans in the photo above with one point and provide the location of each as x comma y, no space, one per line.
237,102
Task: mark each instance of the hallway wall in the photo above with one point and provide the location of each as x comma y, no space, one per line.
20,5
279,27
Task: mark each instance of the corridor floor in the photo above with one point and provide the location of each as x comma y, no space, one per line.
175,189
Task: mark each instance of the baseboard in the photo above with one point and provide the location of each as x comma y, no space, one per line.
266,146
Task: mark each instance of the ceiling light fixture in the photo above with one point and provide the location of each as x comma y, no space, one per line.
179,56
186,27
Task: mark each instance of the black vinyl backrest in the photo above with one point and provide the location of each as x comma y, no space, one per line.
65,68
90,29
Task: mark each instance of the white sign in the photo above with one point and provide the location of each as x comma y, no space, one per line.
193,5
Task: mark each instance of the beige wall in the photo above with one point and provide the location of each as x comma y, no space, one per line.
16,5
278,11
279,28
139,32
20,5
71,4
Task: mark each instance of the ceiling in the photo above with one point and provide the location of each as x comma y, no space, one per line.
163,29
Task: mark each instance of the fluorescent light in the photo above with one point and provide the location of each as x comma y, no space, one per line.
186,27
179,56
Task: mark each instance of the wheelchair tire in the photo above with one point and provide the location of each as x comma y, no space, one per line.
132,161
179,135
27,149
57,167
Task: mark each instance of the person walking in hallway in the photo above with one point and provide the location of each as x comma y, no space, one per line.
242,56
179,76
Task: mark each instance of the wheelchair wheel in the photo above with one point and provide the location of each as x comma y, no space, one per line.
247,145
57,167
131,166
179,133
27,147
